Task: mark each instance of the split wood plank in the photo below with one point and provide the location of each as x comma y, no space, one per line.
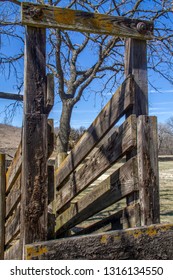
12,226
14,169
2,205
111,113
110,151
147,147
111,190
124,218
14,196
61,18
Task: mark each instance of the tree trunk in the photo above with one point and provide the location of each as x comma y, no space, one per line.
64,128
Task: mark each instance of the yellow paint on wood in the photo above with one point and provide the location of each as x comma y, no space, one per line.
104,239
32,252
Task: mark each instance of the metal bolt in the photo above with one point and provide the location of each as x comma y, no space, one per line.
141,27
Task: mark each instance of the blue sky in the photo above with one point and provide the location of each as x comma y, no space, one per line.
160,103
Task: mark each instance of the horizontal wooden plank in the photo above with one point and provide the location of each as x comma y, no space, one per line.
11,96
124,218
14,169
111,113
121,183
54,17
14,252
142,243
114,148
13,198
12,227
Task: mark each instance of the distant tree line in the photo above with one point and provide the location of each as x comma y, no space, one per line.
165,137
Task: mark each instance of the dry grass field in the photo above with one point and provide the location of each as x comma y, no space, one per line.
166,190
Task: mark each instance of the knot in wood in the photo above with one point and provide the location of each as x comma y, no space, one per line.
36,13
142,27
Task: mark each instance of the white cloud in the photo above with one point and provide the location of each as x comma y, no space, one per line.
162,91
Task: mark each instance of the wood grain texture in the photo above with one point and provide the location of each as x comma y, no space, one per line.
14,169
113,149
12,226
111,113
14,196
136,64
35,142
48,16
129,244
35,192
2,205
35,71
121,183
147,147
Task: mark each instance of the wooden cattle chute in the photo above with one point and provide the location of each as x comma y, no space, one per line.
44,204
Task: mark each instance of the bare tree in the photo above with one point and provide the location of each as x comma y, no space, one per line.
165,138
170,126
75,74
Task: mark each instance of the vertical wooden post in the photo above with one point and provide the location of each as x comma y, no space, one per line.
147,155
35,146
2,205
136,64
51,184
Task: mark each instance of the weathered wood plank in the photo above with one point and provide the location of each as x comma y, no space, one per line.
14,196
35,147
123,219
14,169
136,64
51,197
111,113
35,193
147,153
129,244
111,190
14,252
35,71
53,17
110,151
2,205
12,226
11,96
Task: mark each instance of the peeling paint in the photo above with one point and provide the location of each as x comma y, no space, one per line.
32,252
